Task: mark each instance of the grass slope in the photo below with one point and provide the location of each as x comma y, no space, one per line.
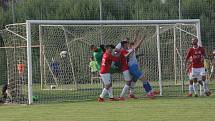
160,109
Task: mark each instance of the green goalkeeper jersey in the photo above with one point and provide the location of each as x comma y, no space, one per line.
98,56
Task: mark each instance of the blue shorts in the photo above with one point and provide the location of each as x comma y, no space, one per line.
134,70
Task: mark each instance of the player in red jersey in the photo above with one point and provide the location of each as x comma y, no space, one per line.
107,59
124,68
197,54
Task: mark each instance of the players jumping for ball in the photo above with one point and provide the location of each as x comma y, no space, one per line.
128,65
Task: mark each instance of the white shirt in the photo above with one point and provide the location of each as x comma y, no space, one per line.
132,57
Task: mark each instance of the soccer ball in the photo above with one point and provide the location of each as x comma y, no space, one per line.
63,54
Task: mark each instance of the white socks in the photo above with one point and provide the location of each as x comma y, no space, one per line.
124,90
132,87
104,92
205,86
110,92
190,89
195,88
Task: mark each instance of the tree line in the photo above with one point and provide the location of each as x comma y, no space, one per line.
111,10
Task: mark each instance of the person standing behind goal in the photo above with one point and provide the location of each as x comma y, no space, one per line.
197,54
21,79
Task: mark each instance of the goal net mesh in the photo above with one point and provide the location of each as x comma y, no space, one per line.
58,77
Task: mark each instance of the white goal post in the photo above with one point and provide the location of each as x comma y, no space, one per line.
156,23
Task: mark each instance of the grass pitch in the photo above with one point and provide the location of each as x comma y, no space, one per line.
159,109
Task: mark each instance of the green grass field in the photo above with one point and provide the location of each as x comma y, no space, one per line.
159,109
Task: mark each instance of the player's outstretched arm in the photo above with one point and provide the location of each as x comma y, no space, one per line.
138,43
136,36
187,57
129,52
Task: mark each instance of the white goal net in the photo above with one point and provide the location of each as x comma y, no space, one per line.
56,56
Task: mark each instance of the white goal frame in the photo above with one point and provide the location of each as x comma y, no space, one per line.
155,23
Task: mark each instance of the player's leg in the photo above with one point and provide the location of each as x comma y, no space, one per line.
110,89
199,79
205,82
190,85
127,78
110,93
4,91
195,74
205,86
134,70
107,84
195,87
132,87
190,88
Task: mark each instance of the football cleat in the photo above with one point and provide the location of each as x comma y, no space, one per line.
132,96
196,95
100,99
150,95
113,99
208,93
121,98
189,95
156,92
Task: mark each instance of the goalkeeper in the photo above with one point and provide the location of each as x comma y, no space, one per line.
97,54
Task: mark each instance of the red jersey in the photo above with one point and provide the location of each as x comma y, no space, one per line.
197,55
123,60
21,68
106,62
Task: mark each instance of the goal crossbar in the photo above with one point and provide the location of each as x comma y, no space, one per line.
155,22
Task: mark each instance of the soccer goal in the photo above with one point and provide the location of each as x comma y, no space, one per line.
56,55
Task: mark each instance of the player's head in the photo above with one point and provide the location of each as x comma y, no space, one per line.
93,48
125,39
194,41
131,44
103,47
108,48
125,44
19,61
